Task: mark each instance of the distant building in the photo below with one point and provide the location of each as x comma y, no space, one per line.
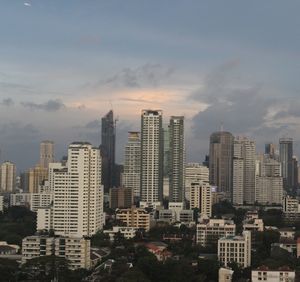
210,230
201,198
120,198
75,250
134,217
225,274
1,203
286,159
256,225
46,153
20,199
8,177
127,232
36,176
264,273
235,249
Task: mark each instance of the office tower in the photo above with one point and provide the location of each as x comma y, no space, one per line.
269,183
220,162
36,176
177,159
244,162
270,149
286,159
194,172
108,148
201,198
120,197
295,173
151,158
46,153
132,164
167,164
78,194
8,177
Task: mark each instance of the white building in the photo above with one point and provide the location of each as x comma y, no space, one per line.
44,218
194,172
225,274
132,164
243,171
77,193
256,224
75,250
210,230
40,200
1,203
269,183
290,205
263,273
151,158
127,232
201,197
20,199
7,177
235,249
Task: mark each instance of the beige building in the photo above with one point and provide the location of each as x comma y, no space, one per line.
225,274
75,250
127,232
210,230
36,177
134,217
282,274
201,197
8,177
235,249
120,197
46,153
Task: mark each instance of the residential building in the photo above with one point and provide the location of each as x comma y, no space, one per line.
151,158
1,203
75,250
201,197
264,273
210,230
177,159
134,217
120,198
40,200
235,249
127,232
44,219
46,153
194,172
225,274
132,164
220,161
36,176
254,225
20,199
8,177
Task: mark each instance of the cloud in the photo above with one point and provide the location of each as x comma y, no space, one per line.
93,124
146,75
7,102
27,4
49,106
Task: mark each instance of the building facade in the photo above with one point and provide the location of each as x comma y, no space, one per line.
201,198
46,153
8,177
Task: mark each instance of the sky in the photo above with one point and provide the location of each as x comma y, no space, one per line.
64,64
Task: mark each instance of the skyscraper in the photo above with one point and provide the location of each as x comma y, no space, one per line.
151,157
46,153
244,161
270,150
220,161
8,177
108,148
177,159
132,164
78,194
286,159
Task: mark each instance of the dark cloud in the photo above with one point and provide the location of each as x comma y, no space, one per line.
93,124
49,106
146,75
7,102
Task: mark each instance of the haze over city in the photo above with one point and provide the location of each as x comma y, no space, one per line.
65,63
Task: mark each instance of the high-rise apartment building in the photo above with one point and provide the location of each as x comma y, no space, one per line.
120,197
270,149
194,172
151,158
220,161
46,153
108,150
77,193
286,159
177,159
201,198
8,177
132,164
36,176
244,162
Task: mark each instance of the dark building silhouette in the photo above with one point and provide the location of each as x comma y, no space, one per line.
108,149
286,159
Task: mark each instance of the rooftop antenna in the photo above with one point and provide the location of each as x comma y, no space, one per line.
222,127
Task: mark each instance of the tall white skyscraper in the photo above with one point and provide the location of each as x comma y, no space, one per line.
132,164
244,161
151,158
177,159
46,153
8,177
78,194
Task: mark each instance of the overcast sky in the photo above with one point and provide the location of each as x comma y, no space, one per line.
65,63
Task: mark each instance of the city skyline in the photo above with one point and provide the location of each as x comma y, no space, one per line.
202,60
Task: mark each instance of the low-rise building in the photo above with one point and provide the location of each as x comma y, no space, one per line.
167,215
225,274
255,225
235,249
159,249
1,203
8,251
75,250
264,273
127,232
40,200
288,232
20,199
210,230
186,217
287,244
44,219
134,217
